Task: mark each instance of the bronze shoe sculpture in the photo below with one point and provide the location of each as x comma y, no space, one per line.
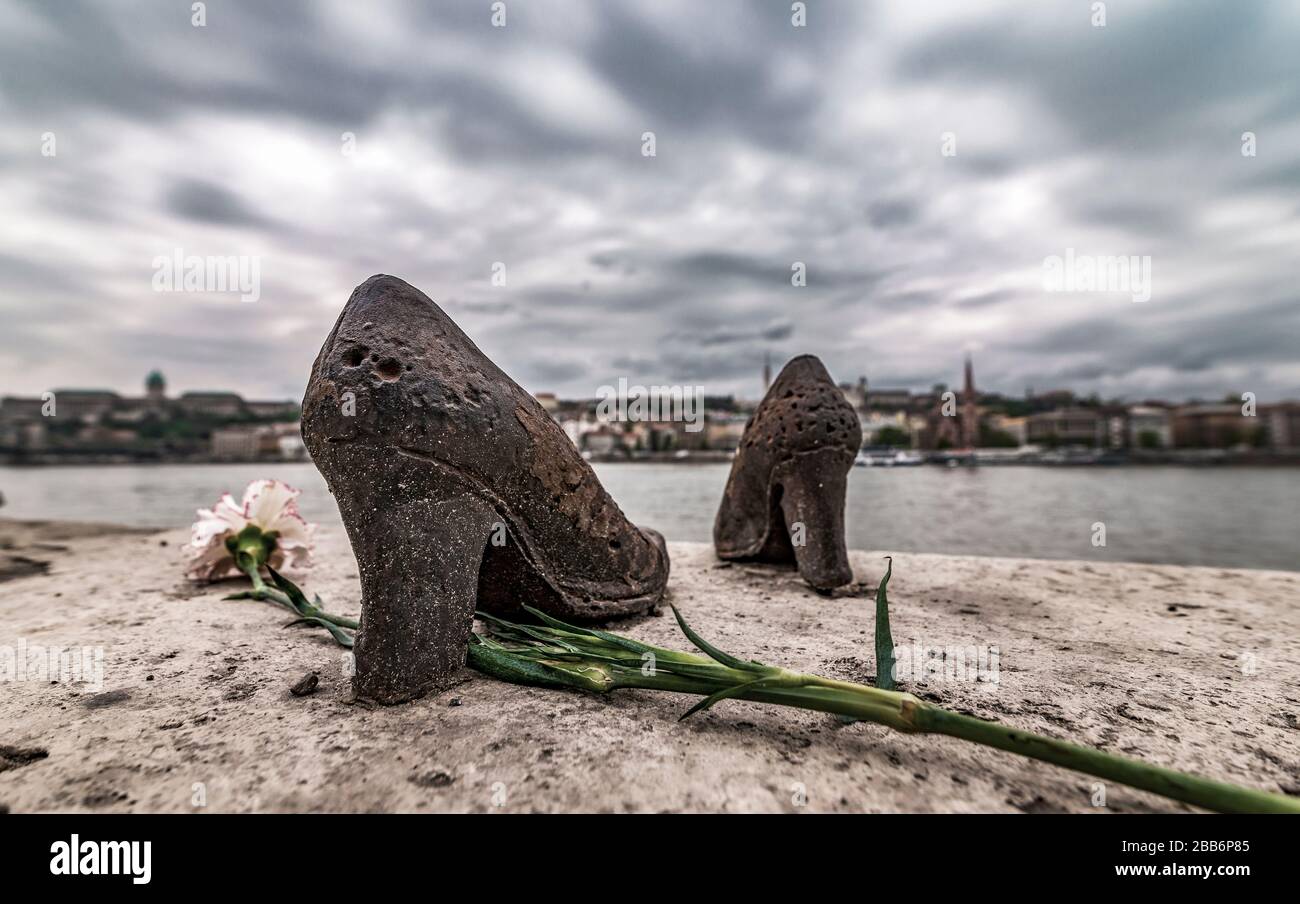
784,500
458,491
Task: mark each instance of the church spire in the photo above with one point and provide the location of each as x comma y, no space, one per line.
970,422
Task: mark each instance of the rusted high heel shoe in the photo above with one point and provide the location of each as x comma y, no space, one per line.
457,491
784,500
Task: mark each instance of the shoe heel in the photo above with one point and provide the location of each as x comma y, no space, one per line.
812,507
418,588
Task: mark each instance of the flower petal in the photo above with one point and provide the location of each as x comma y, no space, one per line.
266,500
231,512
268,504
208,529
212,563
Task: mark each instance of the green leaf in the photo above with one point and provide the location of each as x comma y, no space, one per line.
526,633
344,638
714,653
723,694
506,666
265,596
625,643
290,589
884,639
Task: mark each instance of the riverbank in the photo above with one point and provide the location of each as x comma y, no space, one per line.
1027,457
1194,668
1229,517
30,547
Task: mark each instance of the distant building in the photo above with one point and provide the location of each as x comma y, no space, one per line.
942,431
212,404
85,404
95,404
873,423
1149,427
1213,426
572,429
155,388
26,435
259,442
272,410
1114,423
889,398
99,422
1015,427
242,443
855,393
952,420
1051,400
94,434
724,433
924,402
600,441
292,448
22,427
1283,424
1066,427
15,408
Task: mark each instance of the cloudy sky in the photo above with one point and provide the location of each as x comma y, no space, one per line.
774,144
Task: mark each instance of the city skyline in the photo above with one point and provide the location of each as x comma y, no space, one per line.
640,421
759,382
133,136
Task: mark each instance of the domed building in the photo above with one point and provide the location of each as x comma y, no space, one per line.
155,388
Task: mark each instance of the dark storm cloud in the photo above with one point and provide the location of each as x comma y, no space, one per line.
774,332
773,271
723,265
1130,215
548,372
891,214
1137,81
94,64
206,202
701,88
712,368
21,277
521,146
986,299
91,56
1192,347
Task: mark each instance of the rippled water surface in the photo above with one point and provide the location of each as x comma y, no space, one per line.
1246,517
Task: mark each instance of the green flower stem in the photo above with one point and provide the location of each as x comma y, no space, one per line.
341,621
259,586
1192,789
311,612
909,714
260,590
562,656
252,550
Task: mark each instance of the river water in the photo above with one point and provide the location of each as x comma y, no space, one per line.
1232,517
